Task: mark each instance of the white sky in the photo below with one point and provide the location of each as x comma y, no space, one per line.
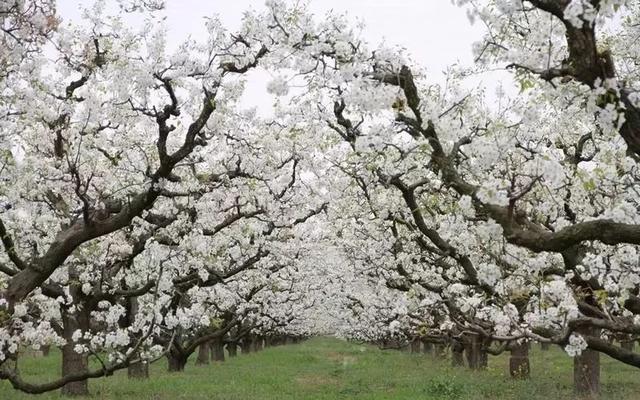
435,32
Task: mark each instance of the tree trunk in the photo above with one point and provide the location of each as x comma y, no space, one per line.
176,362
627,344
217,349
257,343
73,362
439,350
476,357
586,373
46,350
232,348
245,345
138,370
457,353
427,347
415,346
203,354
268,341
545,346
519,361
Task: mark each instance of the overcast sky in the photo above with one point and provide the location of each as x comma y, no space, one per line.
435,32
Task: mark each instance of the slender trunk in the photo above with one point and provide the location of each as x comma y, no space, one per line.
177,362
545,346
45,350
519,361
138,370
415,346
203,354
268,341
232,348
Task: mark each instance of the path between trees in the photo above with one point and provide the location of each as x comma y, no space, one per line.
327,368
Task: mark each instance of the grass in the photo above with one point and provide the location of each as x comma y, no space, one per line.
326,368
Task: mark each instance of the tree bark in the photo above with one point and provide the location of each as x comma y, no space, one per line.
457,353
586,373
439,350
138,371
257,343
232,348
217,349
245,345
586,369
176,362
73,362
476,356
203,354
627,344
427,347
519,367
415,346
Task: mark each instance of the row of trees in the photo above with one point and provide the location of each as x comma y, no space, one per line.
151,215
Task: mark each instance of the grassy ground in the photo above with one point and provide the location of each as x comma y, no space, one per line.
325,368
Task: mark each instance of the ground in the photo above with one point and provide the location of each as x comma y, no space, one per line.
326,368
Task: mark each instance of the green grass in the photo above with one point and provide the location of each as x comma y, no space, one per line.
326,368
